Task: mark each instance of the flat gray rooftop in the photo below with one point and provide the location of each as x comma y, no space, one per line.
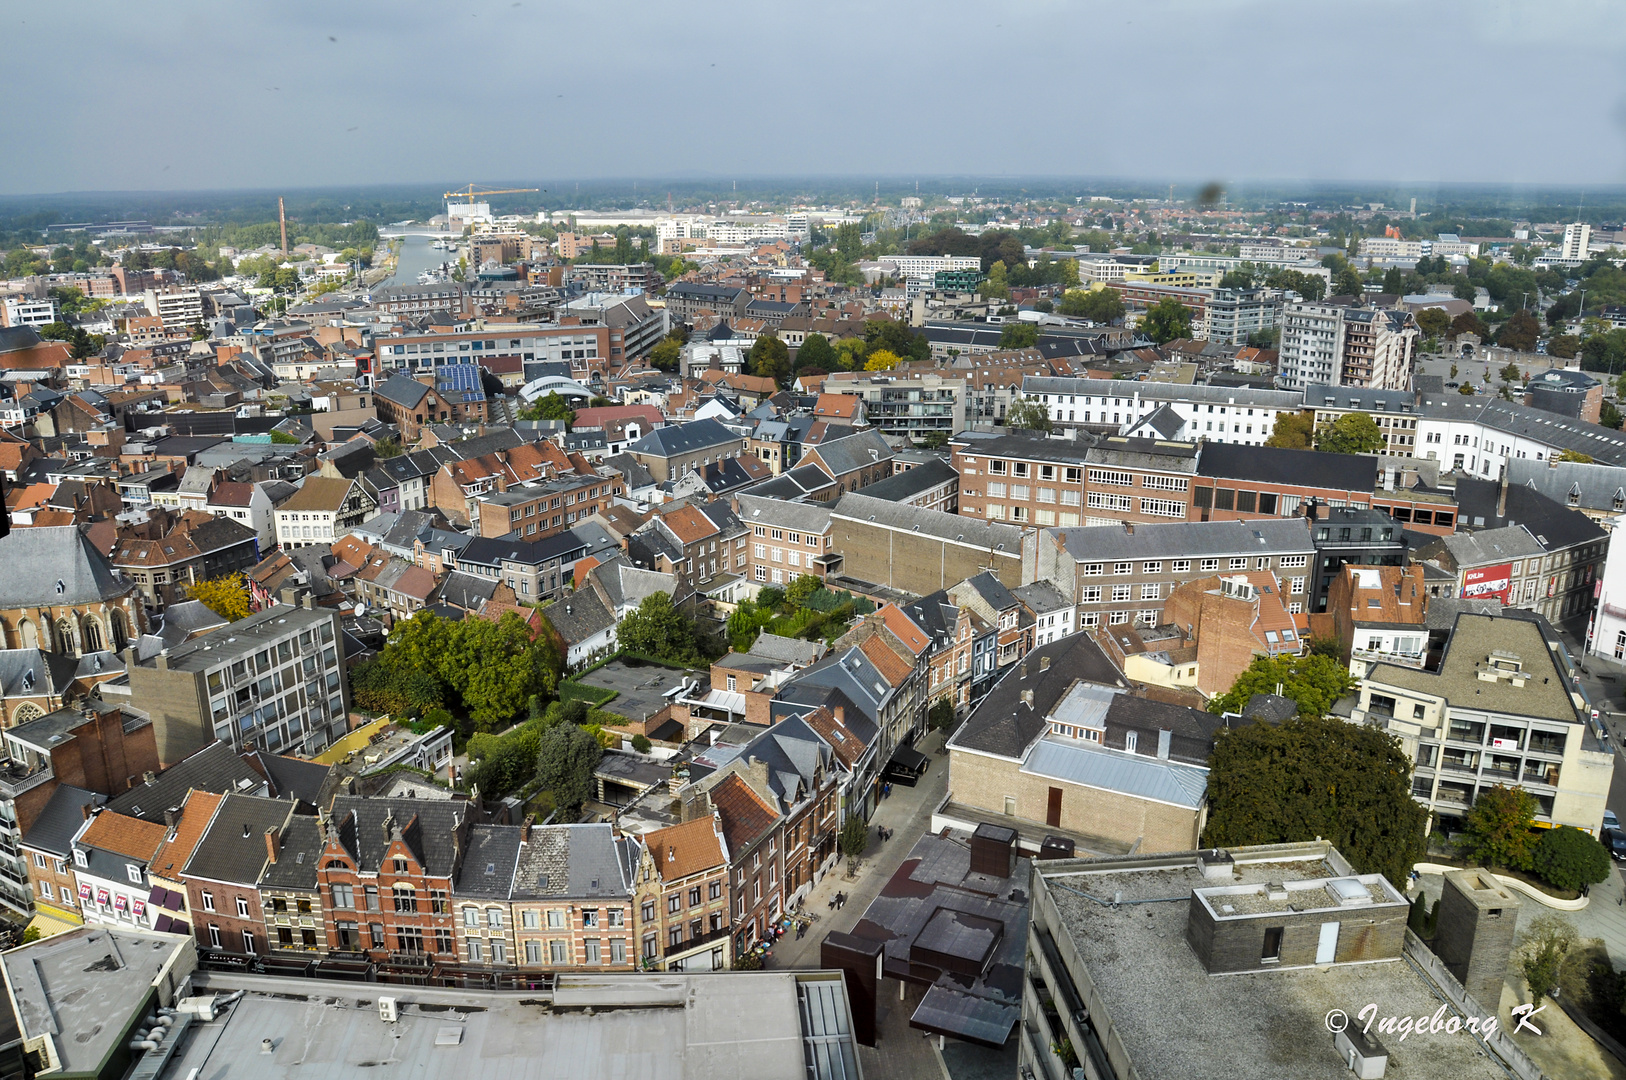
1177,1020
619,1027
80,987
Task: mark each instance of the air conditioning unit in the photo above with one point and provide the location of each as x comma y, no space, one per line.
1365,1056
386,1010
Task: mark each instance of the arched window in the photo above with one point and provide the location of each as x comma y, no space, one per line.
90,634
121,630
27,636
25,712
65,642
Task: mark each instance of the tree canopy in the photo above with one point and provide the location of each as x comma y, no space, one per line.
1097,305
486,669
1317,777
659,629
1293,431
1031,415
1313,682
565,760
1019,335
225,596
1497,830
1166,320
769,358
1520,332
1433,322
882,360
1570,859
815,351
1352,433
551,407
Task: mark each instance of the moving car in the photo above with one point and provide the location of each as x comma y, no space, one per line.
1615,841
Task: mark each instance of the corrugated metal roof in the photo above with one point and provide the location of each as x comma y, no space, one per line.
1129,774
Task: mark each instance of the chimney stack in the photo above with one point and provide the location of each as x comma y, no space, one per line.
1501,495
1165,739
273,844
1044,663
841,715
171,816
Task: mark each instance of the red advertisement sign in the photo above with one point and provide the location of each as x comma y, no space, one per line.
1488,583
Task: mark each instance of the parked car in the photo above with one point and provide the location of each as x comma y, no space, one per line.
1615,841
1610,821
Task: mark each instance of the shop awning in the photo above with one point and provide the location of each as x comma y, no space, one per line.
907,757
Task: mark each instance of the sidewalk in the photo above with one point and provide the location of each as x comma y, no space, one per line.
909,814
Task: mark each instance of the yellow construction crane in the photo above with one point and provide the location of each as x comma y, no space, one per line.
471,194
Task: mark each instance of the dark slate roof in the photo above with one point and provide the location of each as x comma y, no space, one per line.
215,768
1273,465
468,591
428,826
992,590
402,390
59,819
1164,420
675,439
1554,525
295,778
37,559
577,861
579,616
295,867
488,868
1006,725
1271,708
233,850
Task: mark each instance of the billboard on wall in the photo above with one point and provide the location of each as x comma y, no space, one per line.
1488,583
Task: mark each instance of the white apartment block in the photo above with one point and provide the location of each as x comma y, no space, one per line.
25,311
1332,345
925,267
1607,635
181,309
1388,247
1576,239
1227,414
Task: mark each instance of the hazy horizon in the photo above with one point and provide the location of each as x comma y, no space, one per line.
195,97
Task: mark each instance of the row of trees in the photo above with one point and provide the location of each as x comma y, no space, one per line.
1352,433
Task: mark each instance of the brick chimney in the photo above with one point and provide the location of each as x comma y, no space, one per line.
841,715
1501,495
273,844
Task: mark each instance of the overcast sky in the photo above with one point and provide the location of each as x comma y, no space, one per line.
192,94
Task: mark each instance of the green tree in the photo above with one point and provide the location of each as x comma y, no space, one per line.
1352,433
565,760
491,667
1511,373
1563,346
1570,859
1541,954
551,407
1433,322
799,591
641,744
387,448
1318,777
667,354
225,596
769,358
1313,682
1019,335
1498,828
659,629
941,715
1103,306
1394,283
897,337
854,837
1031,415
282,438
1293,431
1609,416
1519,333
815,352
1166,320
500,766
1468,323
996,287
1347,282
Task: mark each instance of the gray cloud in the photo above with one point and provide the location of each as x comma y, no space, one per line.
196,94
